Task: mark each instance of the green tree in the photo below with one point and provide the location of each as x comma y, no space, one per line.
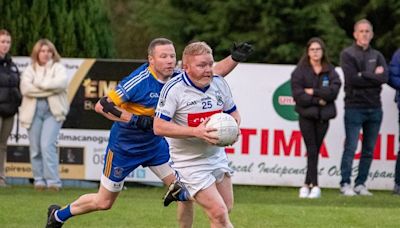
136,23
131,36
77,28
278,29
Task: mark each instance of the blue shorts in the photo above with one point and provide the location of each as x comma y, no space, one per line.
117,165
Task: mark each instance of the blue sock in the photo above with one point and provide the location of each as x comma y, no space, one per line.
64,213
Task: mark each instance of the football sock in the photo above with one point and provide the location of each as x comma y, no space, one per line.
63,214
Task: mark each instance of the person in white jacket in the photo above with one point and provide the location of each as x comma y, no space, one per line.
43,110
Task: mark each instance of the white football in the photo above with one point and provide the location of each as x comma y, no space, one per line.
227,128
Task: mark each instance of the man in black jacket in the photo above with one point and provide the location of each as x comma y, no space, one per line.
365,70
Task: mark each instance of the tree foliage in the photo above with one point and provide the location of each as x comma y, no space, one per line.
77,28
278,29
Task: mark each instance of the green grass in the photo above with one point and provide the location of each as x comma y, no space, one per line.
21,206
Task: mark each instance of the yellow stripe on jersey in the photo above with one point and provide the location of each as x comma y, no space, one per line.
153,73
137,109
109,158
115,97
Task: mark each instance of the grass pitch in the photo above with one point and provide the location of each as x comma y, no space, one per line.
141,206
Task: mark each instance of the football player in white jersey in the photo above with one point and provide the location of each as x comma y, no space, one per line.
131,105
185,105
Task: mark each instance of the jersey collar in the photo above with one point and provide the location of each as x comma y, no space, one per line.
153,73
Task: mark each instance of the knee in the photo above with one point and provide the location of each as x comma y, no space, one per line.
48,145
368,149
220,215
104,205
367,154
349,149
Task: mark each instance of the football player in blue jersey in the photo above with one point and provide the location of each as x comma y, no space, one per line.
131,105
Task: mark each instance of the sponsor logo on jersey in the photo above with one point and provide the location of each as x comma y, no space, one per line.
218,95
191,103
154,95
284,103
205,98
195,119
118,172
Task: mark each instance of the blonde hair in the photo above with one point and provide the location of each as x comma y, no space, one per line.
196,48
36,50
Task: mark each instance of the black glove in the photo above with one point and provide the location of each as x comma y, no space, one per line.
241,51
144,123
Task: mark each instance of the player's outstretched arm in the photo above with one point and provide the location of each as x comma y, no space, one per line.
240,52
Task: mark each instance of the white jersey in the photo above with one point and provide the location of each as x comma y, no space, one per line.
187,105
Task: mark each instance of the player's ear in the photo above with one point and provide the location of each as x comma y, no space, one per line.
184,66
185,62
151,59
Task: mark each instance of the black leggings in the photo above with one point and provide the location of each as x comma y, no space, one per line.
313,132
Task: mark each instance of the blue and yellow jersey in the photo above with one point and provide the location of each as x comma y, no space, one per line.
137,93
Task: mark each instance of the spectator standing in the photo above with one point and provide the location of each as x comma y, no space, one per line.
394,82
365,71
315,86
43,110
10,98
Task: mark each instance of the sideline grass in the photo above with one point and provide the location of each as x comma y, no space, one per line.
255,206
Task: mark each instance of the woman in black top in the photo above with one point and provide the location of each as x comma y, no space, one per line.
315,86
10,97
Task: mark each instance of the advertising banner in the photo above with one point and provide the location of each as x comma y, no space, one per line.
270,150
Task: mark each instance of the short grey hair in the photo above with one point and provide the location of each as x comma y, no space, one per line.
157,42
363,21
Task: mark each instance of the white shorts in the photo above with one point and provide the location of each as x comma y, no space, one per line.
161,172
197,178
110,185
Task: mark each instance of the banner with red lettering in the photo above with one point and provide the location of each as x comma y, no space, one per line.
270,150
